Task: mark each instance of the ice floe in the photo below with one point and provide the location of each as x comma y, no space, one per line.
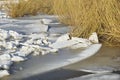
73,42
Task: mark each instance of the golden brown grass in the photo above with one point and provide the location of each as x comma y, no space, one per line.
30,7
88,16
0,7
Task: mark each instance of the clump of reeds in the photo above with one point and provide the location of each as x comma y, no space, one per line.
16,9
88,16
29,7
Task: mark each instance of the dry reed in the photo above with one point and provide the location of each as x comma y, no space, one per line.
88,16
30,7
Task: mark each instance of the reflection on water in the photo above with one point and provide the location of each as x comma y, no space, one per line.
59,74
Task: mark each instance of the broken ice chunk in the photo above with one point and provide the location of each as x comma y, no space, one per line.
4,34
5,64
26,50
44,52
38,42
2,43
67,41
17,58
15,35
4,73
5,57
22,54
45,42
10,45
16,42
36,53
63,38
30,41
94,38
53,50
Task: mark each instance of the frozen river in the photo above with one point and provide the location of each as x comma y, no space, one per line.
104,65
